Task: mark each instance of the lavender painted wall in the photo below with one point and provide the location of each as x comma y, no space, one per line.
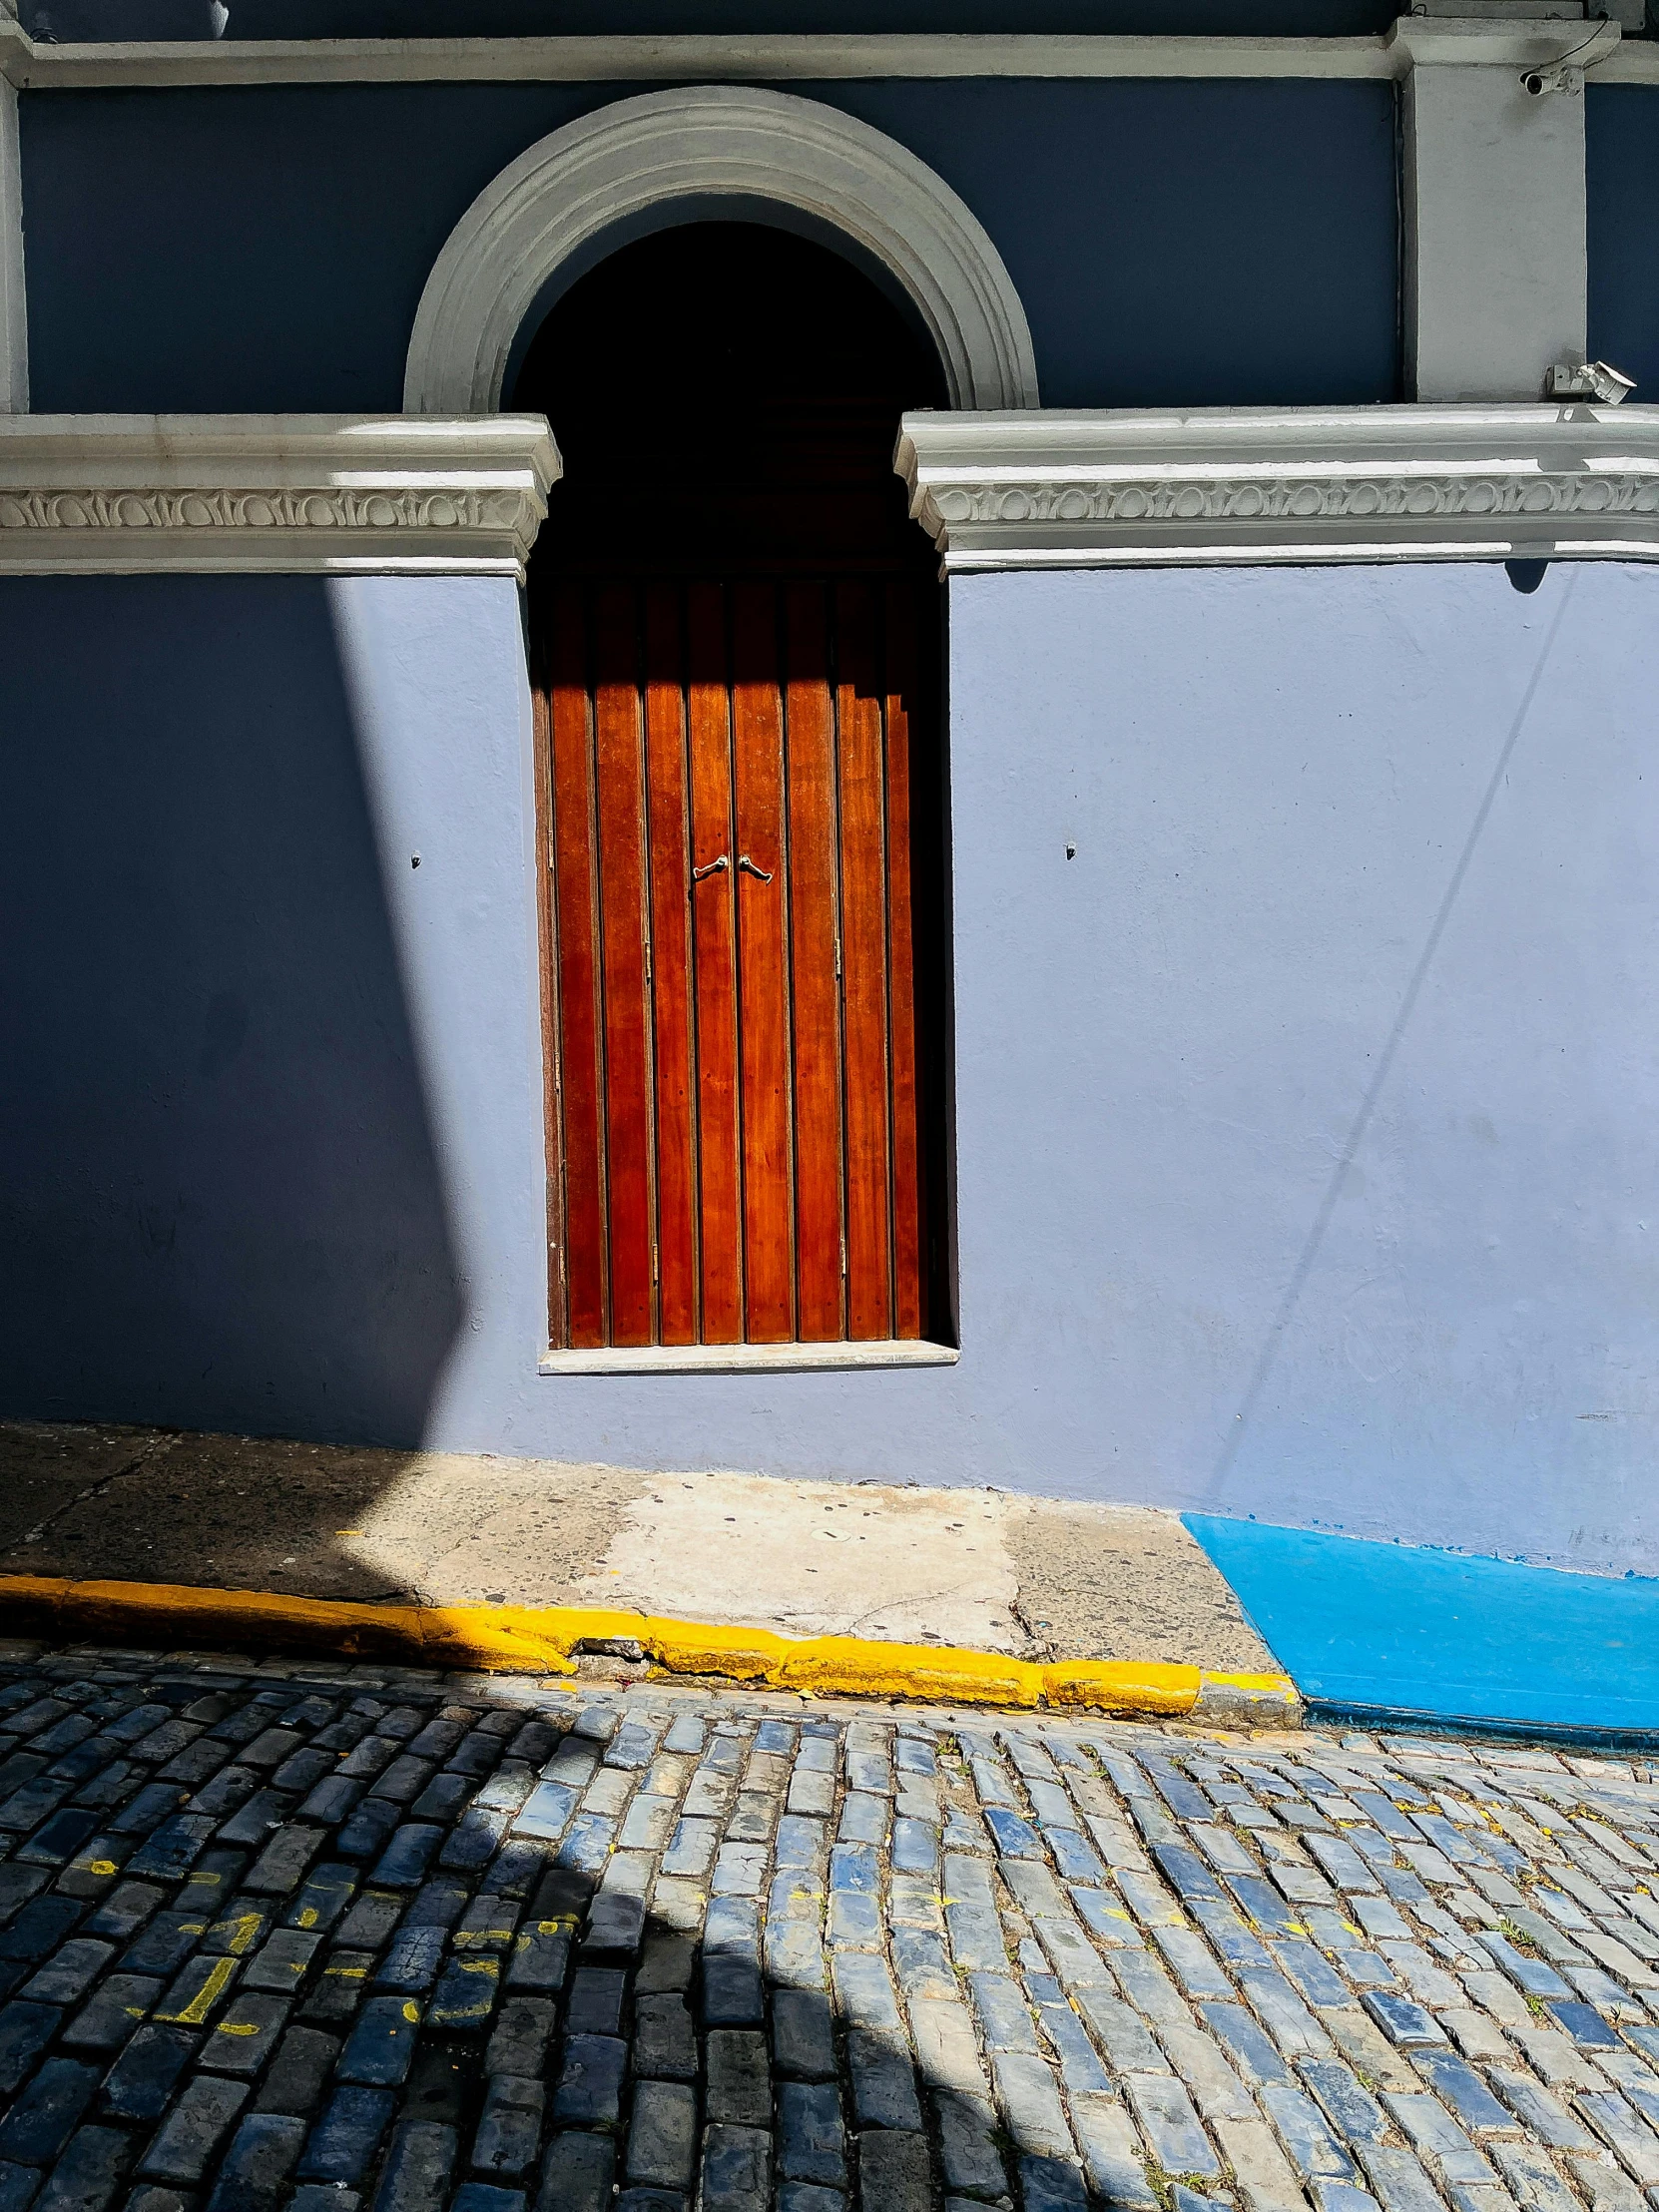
1307,1121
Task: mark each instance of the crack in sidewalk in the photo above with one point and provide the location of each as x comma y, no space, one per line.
155,1446
1042,1647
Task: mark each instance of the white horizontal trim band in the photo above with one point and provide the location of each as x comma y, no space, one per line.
291,494
776,59
730,59
749,1359
1119,488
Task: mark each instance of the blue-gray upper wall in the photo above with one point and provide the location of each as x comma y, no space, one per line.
1621,161
1198,242
295,19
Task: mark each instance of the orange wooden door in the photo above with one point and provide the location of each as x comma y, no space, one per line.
726,774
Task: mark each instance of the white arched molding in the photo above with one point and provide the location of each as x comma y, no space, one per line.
727,141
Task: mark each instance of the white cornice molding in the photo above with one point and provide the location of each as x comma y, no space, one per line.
271,494
1400,483
714,142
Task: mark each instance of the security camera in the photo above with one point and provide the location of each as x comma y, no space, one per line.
1587,380
1537,81
1566,72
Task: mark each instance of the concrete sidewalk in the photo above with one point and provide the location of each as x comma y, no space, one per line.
976,1568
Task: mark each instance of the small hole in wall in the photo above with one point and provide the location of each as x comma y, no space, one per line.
1525,575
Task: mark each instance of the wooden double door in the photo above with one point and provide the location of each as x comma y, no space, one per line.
737,792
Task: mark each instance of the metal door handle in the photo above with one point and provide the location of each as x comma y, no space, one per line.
714,867
765,874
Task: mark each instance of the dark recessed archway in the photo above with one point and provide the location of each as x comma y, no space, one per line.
727,394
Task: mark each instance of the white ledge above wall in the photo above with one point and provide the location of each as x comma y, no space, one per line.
271,494
1041,489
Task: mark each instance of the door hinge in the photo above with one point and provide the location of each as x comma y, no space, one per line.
843,1255
837,960
656,1264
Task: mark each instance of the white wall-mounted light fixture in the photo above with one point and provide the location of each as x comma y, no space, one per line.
1598,380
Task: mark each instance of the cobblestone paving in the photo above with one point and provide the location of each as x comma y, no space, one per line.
324,1937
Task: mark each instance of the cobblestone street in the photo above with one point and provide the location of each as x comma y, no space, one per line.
327,1936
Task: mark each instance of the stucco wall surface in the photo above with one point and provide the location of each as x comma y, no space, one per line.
1306,1120
243,251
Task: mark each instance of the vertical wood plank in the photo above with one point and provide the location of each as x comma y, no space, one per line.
714,940
814,924
763,984
558,1320
864,967
578,974
670,968
619,761
909,1295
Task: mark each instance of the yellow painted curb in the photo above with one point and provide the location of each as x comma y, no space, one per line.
523,1639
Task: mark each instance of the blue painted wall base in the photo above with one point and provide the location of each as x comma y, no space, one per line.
1397,1632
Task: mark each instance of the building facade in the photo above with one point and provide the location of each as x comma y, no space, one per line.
557,906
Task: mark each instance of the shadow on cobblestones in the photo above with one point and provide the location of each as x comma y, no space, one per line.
297,1936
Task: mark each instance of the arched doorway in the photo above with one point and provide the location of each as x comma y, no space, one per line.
734,646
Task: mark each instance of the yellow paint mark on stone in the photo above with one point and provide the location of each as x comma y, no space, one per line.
411,2011
245,1933
196,2011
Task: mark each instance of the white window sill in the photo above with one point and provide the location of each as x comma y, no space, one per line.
747,1358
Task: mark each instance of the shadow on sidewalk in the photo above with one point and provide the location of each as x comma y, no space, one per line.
307,1521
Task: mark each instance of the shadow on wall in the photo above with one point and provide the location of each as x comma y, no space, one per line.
220,1202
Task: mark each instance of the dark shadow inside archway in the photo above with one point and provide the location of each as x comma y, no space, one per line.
727,394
